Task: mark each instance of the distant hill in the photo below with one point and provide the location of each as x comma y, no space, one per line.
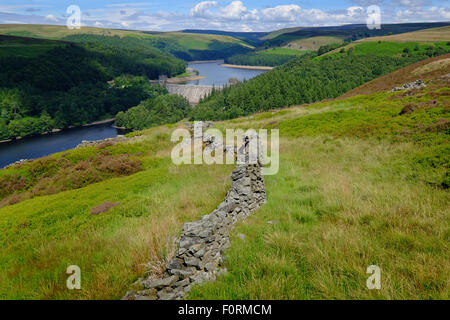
432,35
347,32
186,46
253,38
427,35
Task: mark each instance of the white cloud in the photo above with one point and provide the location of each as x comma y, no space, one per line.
237,11
235,15
282,13
201,9
51,18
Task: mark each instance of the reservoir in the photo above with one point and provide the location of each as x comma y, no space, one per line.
44,145
217,75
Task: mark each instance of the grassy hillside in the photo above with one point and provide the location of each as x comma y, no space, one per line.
347,32
424,70
182,45
253,38
362,181
41,237
313,43
277,33
428,35
431,36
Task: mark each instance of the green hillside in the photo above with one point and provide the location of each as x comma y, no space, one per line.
47,84
181,45
346,32
362,181
313,43
271,57
310,78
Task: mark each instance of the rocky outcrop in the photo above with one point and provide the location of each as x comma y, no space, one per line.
95,143
418,84
201,245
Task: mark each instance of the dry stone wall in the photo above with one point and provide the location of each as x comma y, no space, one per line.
201,245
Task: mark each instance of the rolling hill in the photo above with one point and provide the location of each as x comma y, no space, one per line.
186,46
346,32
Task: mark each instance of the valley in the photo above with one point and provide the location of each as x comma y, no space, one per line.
363,177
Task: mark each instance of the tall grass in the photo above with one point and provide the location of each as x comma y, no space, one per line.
359,185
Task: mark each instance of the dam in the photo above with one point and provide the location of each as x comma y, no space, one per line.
213,75
193,93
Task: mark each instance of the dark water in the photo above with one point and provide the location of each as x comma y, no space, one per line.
40,146
217,75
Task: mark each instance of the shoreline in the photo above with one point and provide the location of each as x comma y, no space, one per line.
206,61
56,130
236,66
184,79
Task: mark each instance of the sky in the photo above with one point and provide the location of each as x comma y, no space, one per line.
234,15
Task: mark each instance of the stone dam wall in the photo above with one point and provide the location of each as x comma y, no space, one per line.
192,93
201,245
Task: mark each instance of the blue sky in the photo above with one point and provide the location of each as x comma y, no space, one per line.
243,15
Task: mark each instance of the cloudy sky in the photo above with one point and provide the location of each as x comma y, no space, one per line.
241,15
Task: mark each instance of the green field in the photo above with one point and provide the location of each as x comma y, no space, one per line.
282,51
313,43
394,48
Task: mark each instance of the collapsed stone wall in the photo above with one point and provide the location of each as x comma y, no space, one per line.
201,245
418,84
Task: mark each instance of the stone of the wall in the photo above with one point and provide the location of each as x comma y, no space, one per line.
418,84
199,257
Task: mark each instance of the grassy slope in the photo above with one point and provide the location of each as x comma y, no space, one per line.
277,33
187,40
41,237
359,184
424,70
428,35
313,43
409,39
281,51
